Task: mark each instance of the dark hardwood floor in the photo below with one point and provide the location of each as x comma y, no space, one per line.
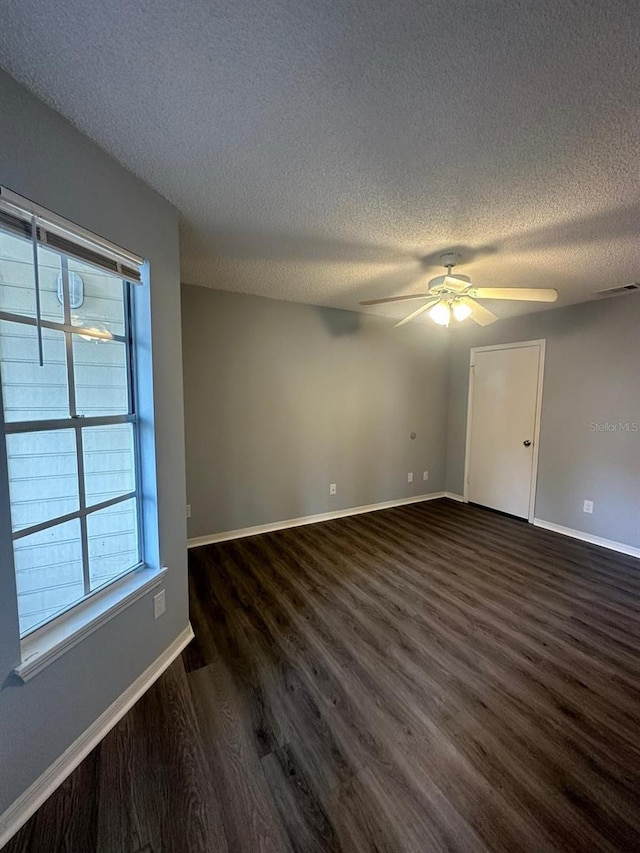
433,677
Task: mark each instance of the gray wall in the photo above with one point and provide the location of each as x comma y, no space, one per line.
592,376
46,159
282,399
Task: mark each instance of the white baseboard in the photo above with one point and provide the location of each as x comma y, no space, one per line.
620,547
21,810
241,532
454,497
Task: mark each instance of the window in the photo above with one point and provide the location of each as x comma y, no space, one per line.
69,414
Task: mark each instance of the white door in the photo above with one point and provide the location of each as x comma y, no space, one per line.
504,401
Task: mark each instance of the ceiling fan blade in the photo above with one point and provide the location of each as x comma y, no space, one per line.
417,313
526,294
481,315
395,299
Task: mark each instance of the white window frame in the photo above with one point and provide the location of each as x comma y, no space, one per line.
50,639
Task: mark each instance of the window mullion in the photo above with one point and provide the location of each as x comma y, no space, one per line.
71,516
12,427
82,496
53,324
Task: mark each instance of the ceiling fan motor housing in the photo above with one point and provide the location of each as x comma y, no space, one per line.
448,283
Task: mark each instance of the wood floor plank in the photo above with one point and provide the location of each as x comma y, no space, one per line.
308,826
249,812
67,821
155,792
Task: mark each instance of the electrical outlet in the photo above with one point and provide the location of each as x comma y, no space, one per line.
425,476
410,477
159,604
332,489
587,506
188,510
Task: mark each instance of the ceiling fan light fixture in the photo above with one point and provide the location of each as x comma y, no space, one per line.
456,295
461,311
440,313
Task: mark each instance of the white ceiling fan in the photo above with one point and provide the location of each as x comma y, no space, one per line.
455,296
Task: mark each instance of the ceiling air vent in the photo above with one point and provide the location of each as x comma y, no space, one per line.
616,291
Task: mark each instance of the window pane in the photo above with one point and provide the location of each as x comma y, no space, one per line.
17,289
113,542
109,462
43,476
103,305
31,392
101,377
17,280
48,573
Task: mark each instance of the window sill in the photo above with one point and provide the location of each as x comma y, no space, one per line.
50,642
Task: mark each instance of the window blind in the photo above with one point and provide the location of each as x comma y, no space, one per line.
20,216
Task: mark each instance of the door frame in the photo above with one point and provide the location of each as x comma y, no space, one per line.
541,344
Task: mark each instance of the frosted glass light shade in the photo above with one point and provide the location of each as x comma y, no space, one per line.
461,311
440,314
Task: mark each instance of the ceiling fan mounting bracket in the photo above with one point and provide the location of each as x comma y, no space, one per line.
449,259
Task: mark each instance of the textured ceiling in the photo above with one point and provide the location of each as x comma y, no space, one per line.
327,152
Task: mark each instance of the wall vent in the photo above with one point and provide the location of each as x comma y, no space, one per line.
616,291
